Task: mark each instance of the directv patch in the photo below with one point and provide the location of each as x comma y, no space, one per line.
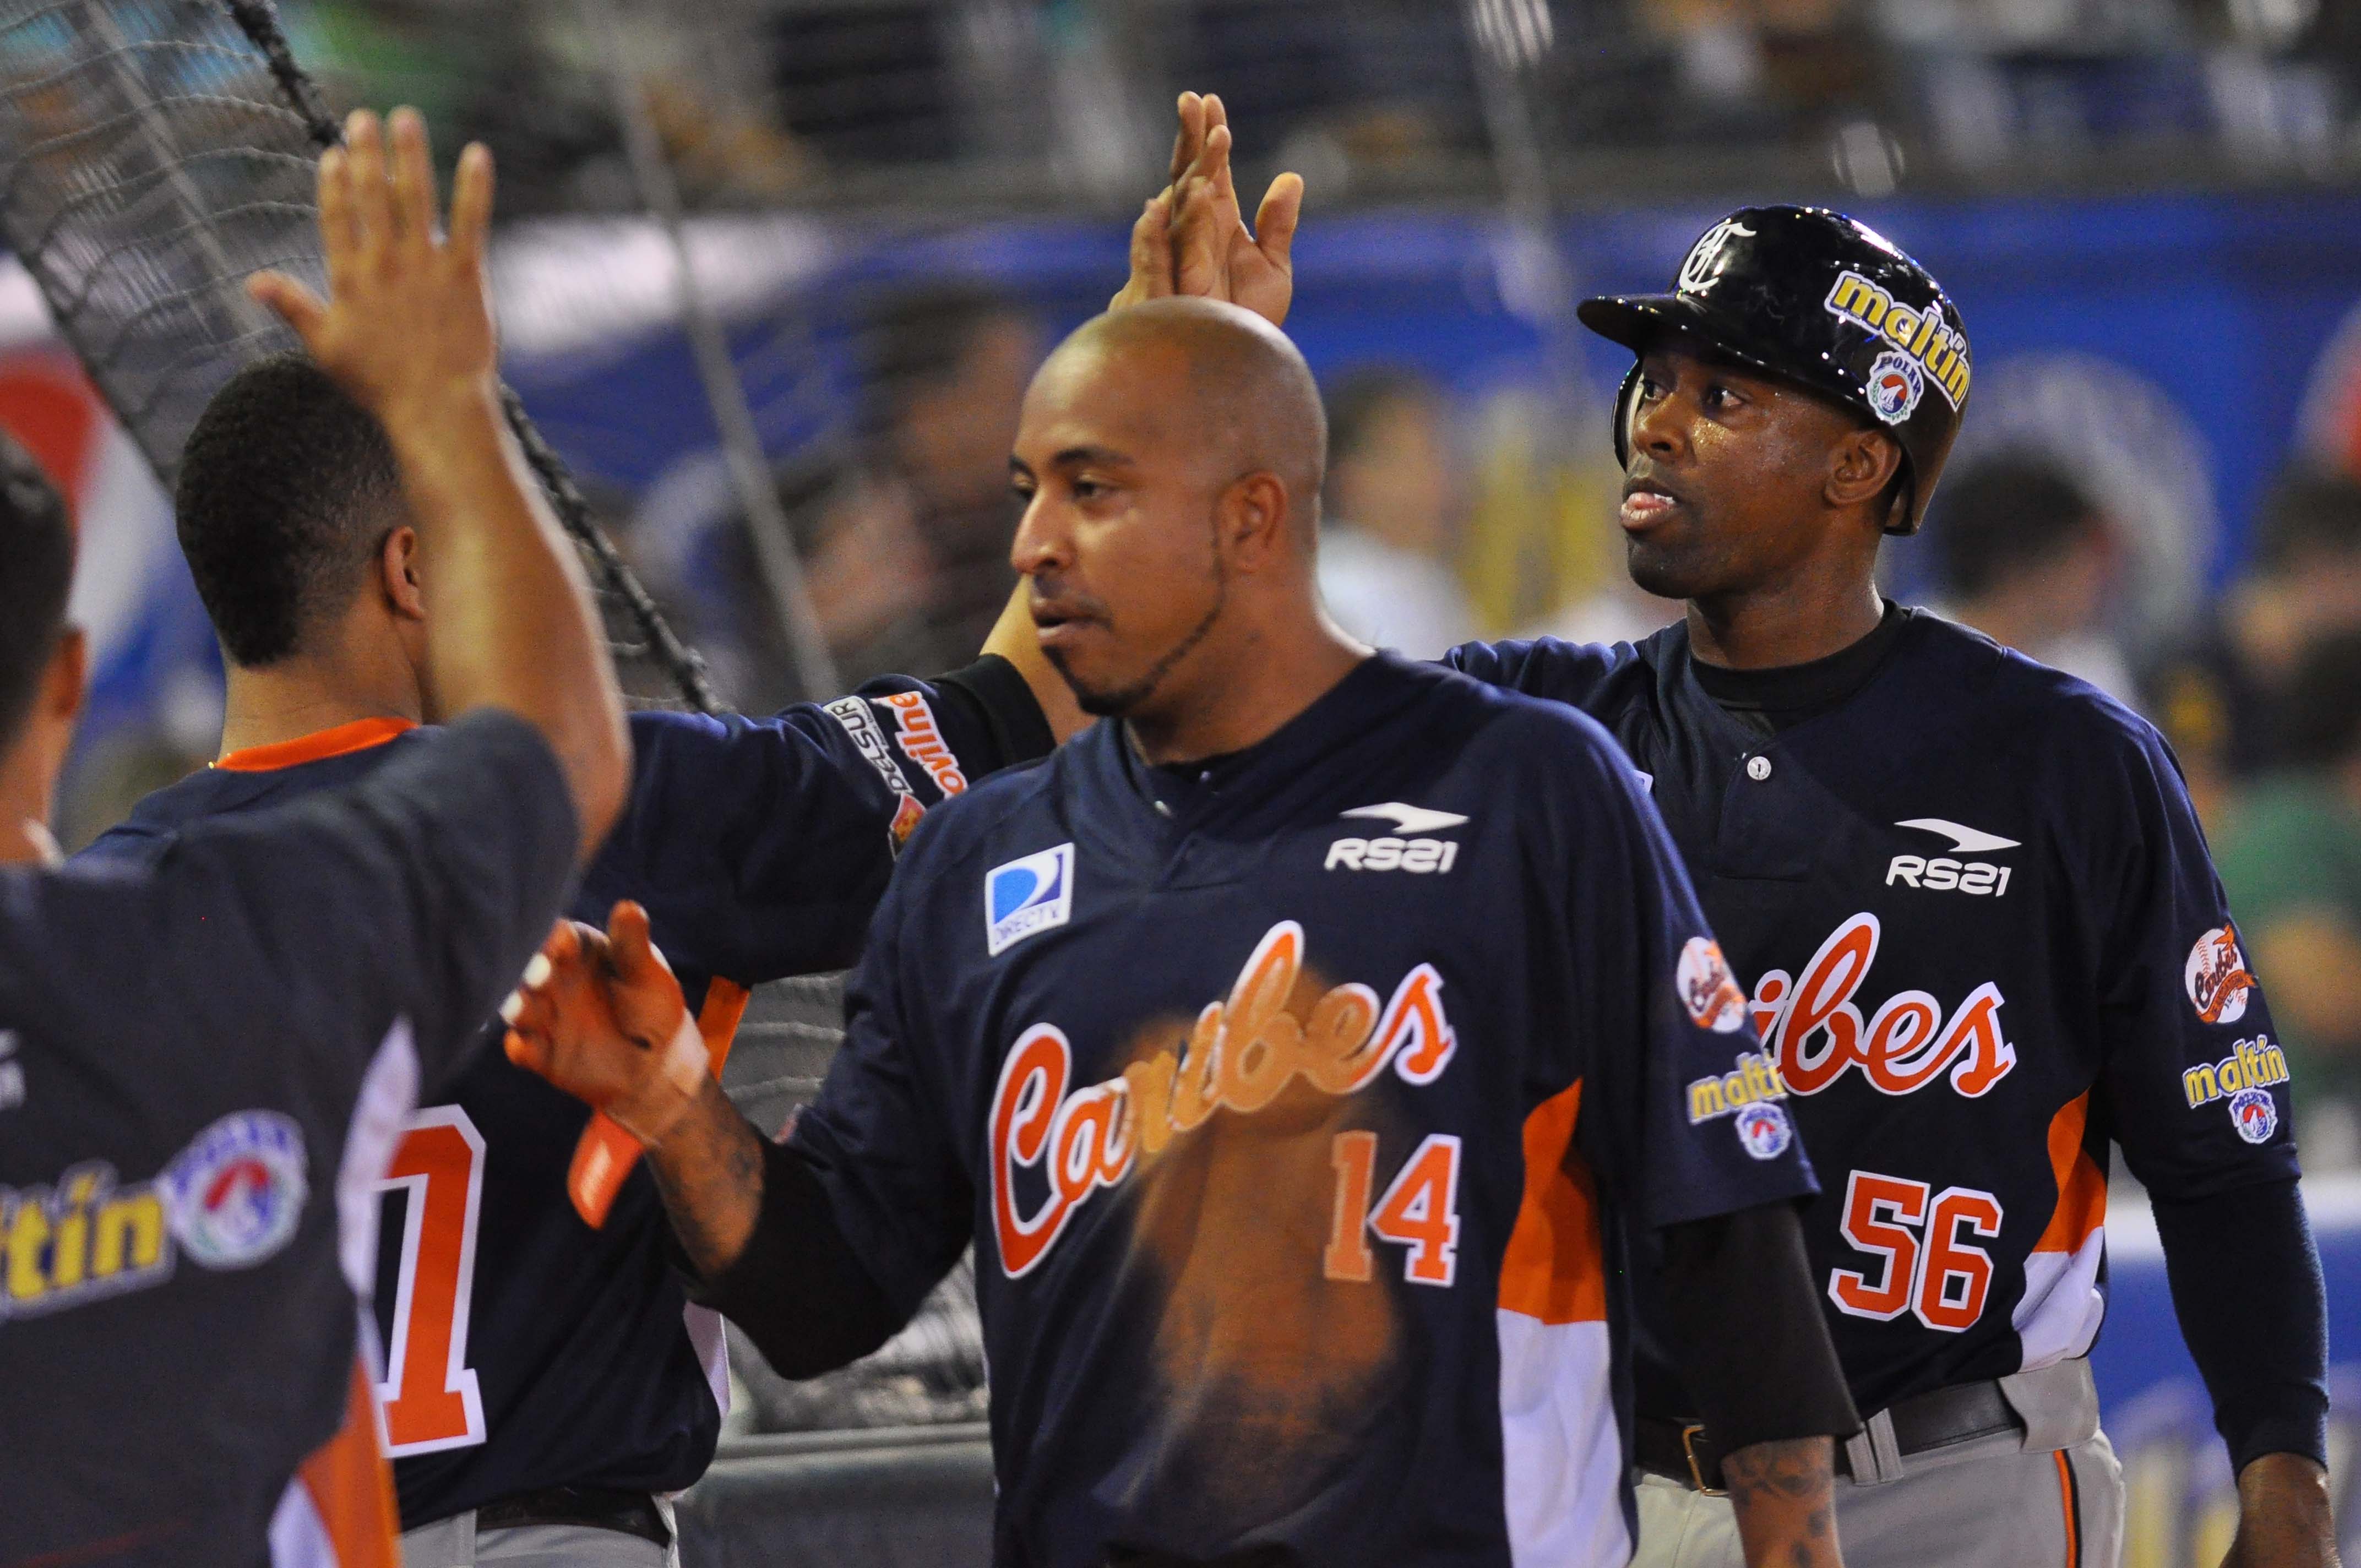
1028,896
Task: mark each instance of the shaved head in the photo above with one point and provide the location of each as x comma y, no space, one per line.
1169,457
1243,387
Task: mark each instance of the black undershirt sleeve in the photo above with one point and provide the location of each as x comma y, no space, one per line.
797,1290
1747,1327
2254,1310
994,697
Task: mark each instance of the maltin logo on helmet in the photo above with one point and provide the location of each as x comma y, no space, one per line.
234,1196
1895,385
1921,337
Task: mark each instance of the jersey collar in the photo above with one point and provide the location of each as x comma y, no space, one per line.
357,736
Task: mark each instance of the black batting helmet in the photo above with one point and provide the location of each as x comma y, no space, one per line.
1815,298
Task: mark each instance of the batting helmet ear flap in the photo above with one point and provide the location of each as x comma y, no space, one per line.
1627,409
1905,514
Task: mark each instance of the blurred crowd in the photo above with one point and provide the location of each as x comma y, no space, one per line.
904,530
757,100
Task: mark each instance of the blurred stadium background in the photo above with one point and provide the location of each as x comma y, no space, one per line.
773,273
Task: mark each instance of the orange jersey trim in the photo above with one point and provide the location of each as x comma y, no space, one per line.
351,1486
359,736
717,1021
1554,1267
2081,1185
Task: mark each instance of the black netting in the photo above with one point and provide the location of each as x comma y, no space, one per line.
153,155
147,167
933,1370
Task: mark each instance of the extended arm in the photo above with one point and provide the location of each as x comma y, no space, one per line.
2246,1286
1757,1353
601,1017
2199,1100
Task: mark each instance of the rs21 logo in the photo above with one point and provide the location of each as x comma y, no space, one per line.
1818,1034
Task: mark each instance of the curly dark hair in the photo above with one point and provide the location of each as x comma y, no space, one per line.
287,489
37,555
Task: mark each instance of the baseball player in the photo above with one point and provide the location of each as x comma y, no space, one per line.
1982,935
203,1064
1297,1050
545,1383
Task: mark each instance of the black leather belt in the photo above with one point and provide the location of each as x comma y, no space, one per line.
592,1508
1687,1453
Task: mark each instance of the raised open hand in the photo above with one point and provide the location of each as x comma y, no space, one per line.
407,316
1192,238
600,1016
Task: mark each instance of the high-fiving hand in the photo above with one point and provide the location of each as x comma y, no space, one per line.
600,1015
1192,239
408,318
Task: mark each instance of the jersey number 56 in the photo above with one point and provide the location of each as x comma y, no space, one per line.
1926,1266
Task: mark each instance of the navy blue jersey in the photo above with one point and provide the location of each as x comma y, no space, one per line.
523,1348
204,1062
1981,937
1294,1107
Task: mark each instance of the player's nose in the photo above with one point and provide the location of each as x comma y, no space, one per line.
1658,427
1043,542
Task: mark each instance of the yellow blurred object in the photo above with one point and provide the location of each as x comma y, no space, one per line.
1541,533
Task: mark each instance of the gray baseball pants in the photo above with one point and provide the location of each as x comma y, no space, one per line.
2053,1495
455,1543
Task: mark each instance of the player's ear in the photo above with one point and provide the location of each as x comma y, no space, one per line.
1863,467
68,678
1257,522
397,565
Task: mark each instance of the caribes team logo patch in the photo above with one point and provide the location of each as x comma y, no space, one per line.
1895,384
1764,1130
234,1195
2217,976
1709,989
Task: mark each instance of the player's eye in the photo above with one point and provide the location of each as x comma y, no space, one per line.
1088,489
1720,399
1022,488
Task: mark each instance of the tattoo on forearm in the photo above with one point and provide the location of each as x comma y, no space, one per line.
710,1176
1793,1481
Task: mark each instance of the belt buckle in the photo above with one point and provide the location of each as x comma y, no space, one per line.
1696,1472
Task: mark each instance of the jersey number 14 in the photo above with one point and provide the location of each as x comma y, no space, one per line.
1420,1210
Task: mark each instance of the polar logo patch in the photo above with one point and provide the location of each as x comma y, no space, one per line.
1028,896
235,1194
1895,385
2254,1113
1763,1131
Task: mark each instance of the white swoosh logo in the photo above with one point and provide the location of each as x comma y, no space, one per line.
1407,818
1964,840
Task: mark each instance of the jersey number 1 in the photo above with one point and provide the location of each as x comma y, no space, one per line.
429,1392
